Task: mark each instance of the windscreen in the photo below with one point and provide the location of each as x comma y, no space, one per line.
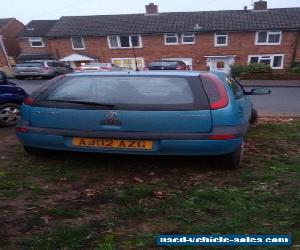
30,64
170,93
162,64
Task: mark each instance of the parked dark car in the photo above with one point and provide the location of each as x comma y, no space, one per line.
11,97
167,65
45,69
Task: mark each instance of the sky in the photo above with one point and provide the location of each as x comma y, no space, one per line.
26,10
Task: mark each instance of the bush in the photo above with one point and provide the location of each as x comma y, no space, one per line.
258,68
295,68
236,70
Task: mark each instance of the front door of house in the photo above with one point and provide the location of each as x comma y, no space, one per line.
220,63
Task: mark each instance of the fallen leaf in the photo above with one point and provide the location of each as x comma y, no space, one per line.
46,219
136,179
90,192
159,195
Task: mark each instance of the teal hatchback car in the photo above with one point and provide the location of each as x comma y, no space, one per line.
146,112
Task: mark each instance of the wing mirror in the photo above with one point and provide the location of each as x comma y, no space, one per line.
258,91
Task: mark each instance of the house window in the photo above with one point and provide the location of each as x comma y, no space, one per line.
36,42
220,65
188,38
221,39
275,61
77,43
129,63
116,42
268,37
171,39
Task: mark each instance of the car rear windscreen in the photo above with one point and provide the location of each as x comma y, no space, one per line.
127,92
30,64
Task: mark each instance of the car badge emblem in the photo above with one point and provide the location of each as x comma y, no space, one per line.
111,118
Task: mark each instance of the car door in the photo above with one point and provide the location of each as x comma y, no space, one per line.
10,93
62,68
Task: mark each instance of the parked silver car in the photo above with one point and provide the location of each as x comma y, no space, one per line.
46,69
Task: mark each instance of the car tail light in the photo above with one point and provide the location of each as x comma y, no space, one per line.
78,69
21,130
28,101
180,68
104,68
222,137
215,90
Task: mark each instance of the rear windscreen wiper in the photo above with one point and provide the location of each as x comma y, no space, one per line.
83,102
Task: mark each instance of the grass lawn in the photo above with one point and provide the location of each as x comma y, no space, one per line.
90,201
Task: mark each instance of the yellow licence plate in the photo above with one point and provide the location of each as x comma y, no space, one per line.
112,143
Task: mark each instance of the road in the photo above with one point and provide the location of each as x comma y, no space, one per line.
284,101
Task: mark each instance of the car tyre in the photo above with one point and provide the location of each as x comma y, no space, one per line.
9,114
36,151
254,115
234,159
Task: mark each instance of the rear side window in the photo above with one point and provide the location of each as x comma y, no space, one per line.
52,64
146,93
236,88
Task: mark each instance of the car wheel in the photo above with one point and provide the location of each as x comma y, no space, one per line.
253,118
9,114
55,74
234,159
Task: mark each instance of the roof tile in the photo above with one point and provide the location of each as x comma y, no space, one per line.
227,20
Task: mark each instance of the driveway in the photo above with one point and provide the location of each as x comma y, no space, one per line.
284,101
30,85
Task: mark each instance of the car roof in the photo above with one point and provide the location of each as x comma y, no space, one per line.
148,73
165,61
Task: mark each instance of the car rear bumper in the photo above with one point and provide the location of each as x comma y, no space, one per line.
160,146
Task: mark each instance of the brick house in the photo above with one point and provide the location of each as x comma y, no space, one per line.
33,42
214,39
9,48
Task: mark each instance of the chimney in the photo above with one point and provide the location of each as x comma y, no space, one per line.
245,8
260,5
151,9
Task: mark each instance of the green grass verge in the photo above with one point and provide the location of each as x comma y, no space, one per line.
110,211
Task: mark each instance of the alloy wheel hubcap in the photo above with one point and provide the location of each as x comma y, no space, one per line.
9,115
